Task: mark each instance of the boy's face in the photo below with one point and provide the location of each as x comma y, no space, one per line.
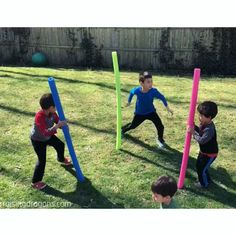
204,120
159,198
52,109
147,84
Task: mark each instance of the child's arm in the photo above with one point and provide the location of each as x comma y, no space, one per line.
160,96
196,128
41,124
208,133
131,94
56,119
169,110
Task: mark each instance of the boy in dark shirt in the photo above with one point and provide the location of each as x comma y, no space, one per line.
43,134
206,136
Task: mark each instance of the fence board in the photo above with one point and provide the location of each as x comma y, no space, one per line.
137,47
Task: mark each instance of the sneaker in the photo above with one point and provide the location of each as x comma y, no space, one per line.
198,185
161,144
66,162
39,185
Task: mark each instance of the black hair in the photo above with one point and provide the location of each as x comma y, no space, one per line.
46,101
208,109
165,186
144,75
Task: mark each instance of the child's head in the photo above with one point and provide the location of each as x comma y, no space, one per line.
145,80
163,189
46,102
207,111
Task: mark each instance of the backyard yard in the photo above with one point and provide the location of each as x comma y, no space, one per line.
114,179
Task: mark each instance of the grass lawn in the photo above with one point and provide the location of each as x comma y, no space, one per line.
114,179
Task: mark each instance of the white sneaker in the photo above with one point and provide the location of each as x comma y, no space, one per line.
198,185
160,144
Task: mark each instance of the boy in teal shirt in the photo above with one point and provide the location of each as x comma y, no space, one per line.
163,190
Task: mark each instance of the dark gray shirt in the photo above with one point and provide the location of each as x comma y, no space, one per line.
207,138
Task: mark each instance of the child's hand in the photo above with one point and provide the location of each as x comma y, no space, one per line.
61,123
191,130
169,111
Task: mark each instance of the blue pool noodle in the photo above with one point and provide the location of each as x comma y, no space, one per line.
65,129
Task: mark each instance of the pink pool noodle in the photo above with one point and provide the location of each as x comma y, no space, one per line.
190,122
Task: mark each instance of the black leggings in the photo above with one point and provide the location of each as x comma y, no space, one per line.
40,149
139,119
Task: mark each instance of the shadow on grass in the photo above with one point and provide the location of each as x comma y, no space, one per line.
85,195
188,74
167,156
76,81
172,158
217,191
73,81
16,110
149,161
179,102
76,123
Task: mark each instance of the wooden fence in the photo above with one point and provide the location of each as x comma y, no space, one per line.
138,48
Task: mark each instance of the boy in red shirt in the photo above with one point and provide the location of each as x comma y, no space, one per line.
43,134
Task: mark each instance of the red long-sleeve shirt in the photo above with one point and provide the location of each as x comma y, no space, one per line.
43,126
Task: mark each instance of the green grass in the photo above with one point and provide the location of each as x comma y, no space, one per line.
114,178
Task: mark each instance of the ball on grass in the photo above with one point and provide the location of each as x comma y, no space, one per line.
39,59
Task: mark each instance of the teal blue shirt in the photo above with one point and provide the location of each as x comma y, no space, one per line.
172,205
144,103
